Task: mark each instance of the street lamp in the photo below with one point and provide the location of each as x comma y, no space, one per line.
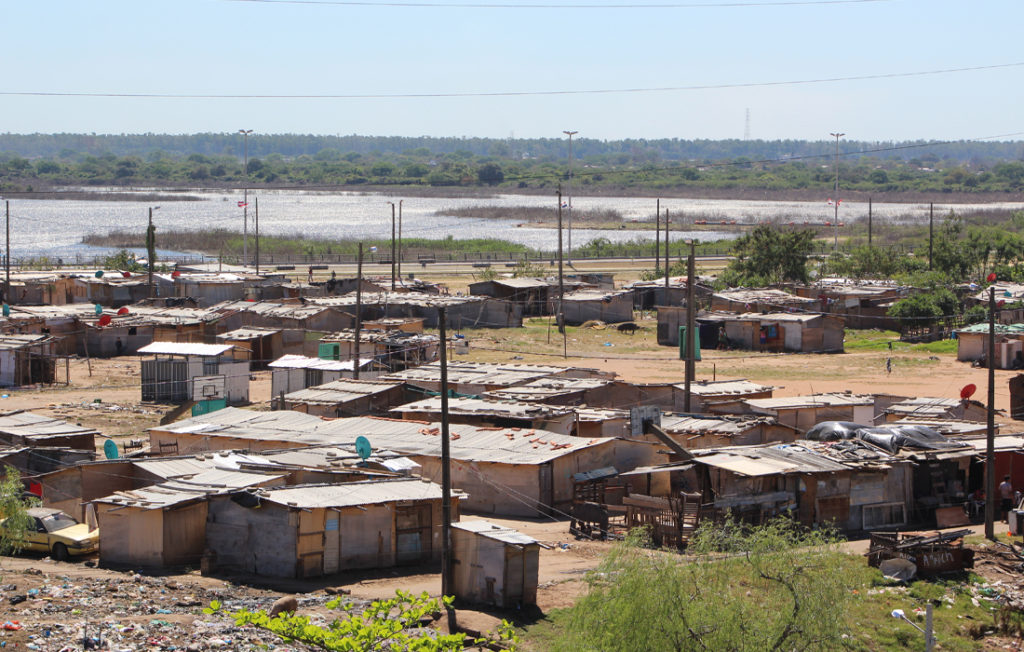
570,134
245,200
835,192
400,239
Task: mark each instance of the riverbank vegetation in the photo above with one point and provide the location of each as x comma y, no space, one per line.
738,169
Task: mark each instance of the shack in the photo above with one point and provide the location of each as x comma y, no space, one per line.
780,331
347,398
972,344
720,395
292,373
532,294
694,431
588,305
861,303
177,368
479,377
764,300
36,430
301,324
802,412
165,525
503,470
260,346
491,412
494,565
314,530
28,360
462,311
559,391
937,408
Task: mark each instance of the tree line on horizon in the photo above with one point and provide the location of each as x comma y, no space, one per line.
40,161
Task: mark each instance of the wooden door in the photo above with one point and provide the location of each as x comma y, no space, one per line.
310,548
412,529
332,543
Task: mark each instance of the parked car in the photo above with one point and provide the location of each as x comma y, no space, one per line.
58,534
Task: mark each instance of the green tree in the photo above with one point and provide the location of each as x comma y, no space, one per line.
925,308
769,255
385,625
771,587
151,246
490,173
13,512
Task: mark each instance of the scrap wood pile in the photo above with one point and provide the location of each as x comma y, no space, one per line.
1002,566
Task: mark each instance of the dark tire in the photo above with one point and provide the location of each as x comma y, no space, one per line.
60,552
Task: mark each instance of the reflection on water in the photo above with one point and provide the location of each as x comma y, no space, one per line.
56,227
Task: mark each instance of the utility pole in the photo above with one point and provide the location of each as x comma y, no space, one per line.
931,232
561,280
392,245
400,239
666,255
691,322
150,250
257,236
359,309
245,198
7,258
657,233
990,435
570,134
835,219
447,585
869,222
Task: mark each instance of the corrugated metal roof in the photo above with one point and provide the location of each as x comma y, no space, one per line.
496,532
351,494
468,443
522,283
755,461
739,387
698,424
197,487
272,309
810,401
763,295
1001,329
477,373
489,407
944,426
29,425
249,333
598,295
398,298
340,391
924,407
186,348
302,362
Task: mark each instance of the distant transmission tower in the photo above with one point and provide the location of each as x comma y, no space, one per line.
746,127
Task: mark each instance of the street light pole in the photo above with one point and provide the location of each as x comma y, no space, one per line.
835,219
392,245
568,189
400,239
245,198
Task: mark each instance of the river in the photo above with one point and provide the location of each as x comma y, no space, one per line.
54,228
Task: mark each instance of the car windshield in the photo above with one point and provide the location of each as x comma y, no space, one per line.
58,521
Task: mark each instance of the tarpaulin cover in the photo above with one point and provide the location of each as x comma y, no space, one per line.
891,438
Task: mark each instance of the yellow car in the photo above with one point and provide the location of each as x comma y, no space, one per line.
55,532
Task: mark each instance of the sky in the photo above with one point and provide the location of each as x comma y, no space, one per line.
60,57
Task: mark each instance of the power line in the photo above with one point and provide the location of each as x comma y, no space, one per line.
490,5
597,91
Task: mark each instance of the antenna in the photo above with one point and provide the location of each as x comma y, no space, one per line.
746,127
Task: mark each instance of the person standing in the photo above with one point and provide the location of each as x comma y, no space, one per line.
1006,496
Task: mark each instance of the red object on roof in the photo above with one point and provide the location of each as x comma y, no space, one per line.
123,310
992,277
104,320
968,391
126,274
175,274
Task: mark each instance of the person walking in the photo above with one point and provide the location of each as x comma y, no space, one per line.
1006,496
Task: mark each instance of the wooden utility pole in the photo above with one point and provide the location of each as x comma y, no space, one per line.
447,583
691,322
869,222
257,236
666,256
399,261
561,281
7,258
150,250
990,434
392,246
931,233
657,233
359,310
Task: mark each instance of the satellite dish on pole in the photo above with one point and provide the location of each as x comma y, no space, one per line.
968,391
110,449
363,448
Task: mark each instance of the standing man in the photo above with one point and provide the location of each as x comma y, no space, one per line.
1006,496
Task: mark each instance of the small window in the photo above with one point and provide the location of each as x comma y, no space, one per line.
133,330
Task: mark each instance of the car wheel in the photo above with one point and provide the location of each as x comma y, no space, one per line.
59,552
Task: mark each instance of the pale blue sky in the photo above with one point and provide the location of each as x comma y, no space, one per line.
224,47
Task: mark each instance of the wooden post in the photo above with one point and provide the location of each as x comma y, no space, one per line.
869,222
257,236
931,233
561,281
666,256
691,323
657,233
359,310
447,585
990,436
